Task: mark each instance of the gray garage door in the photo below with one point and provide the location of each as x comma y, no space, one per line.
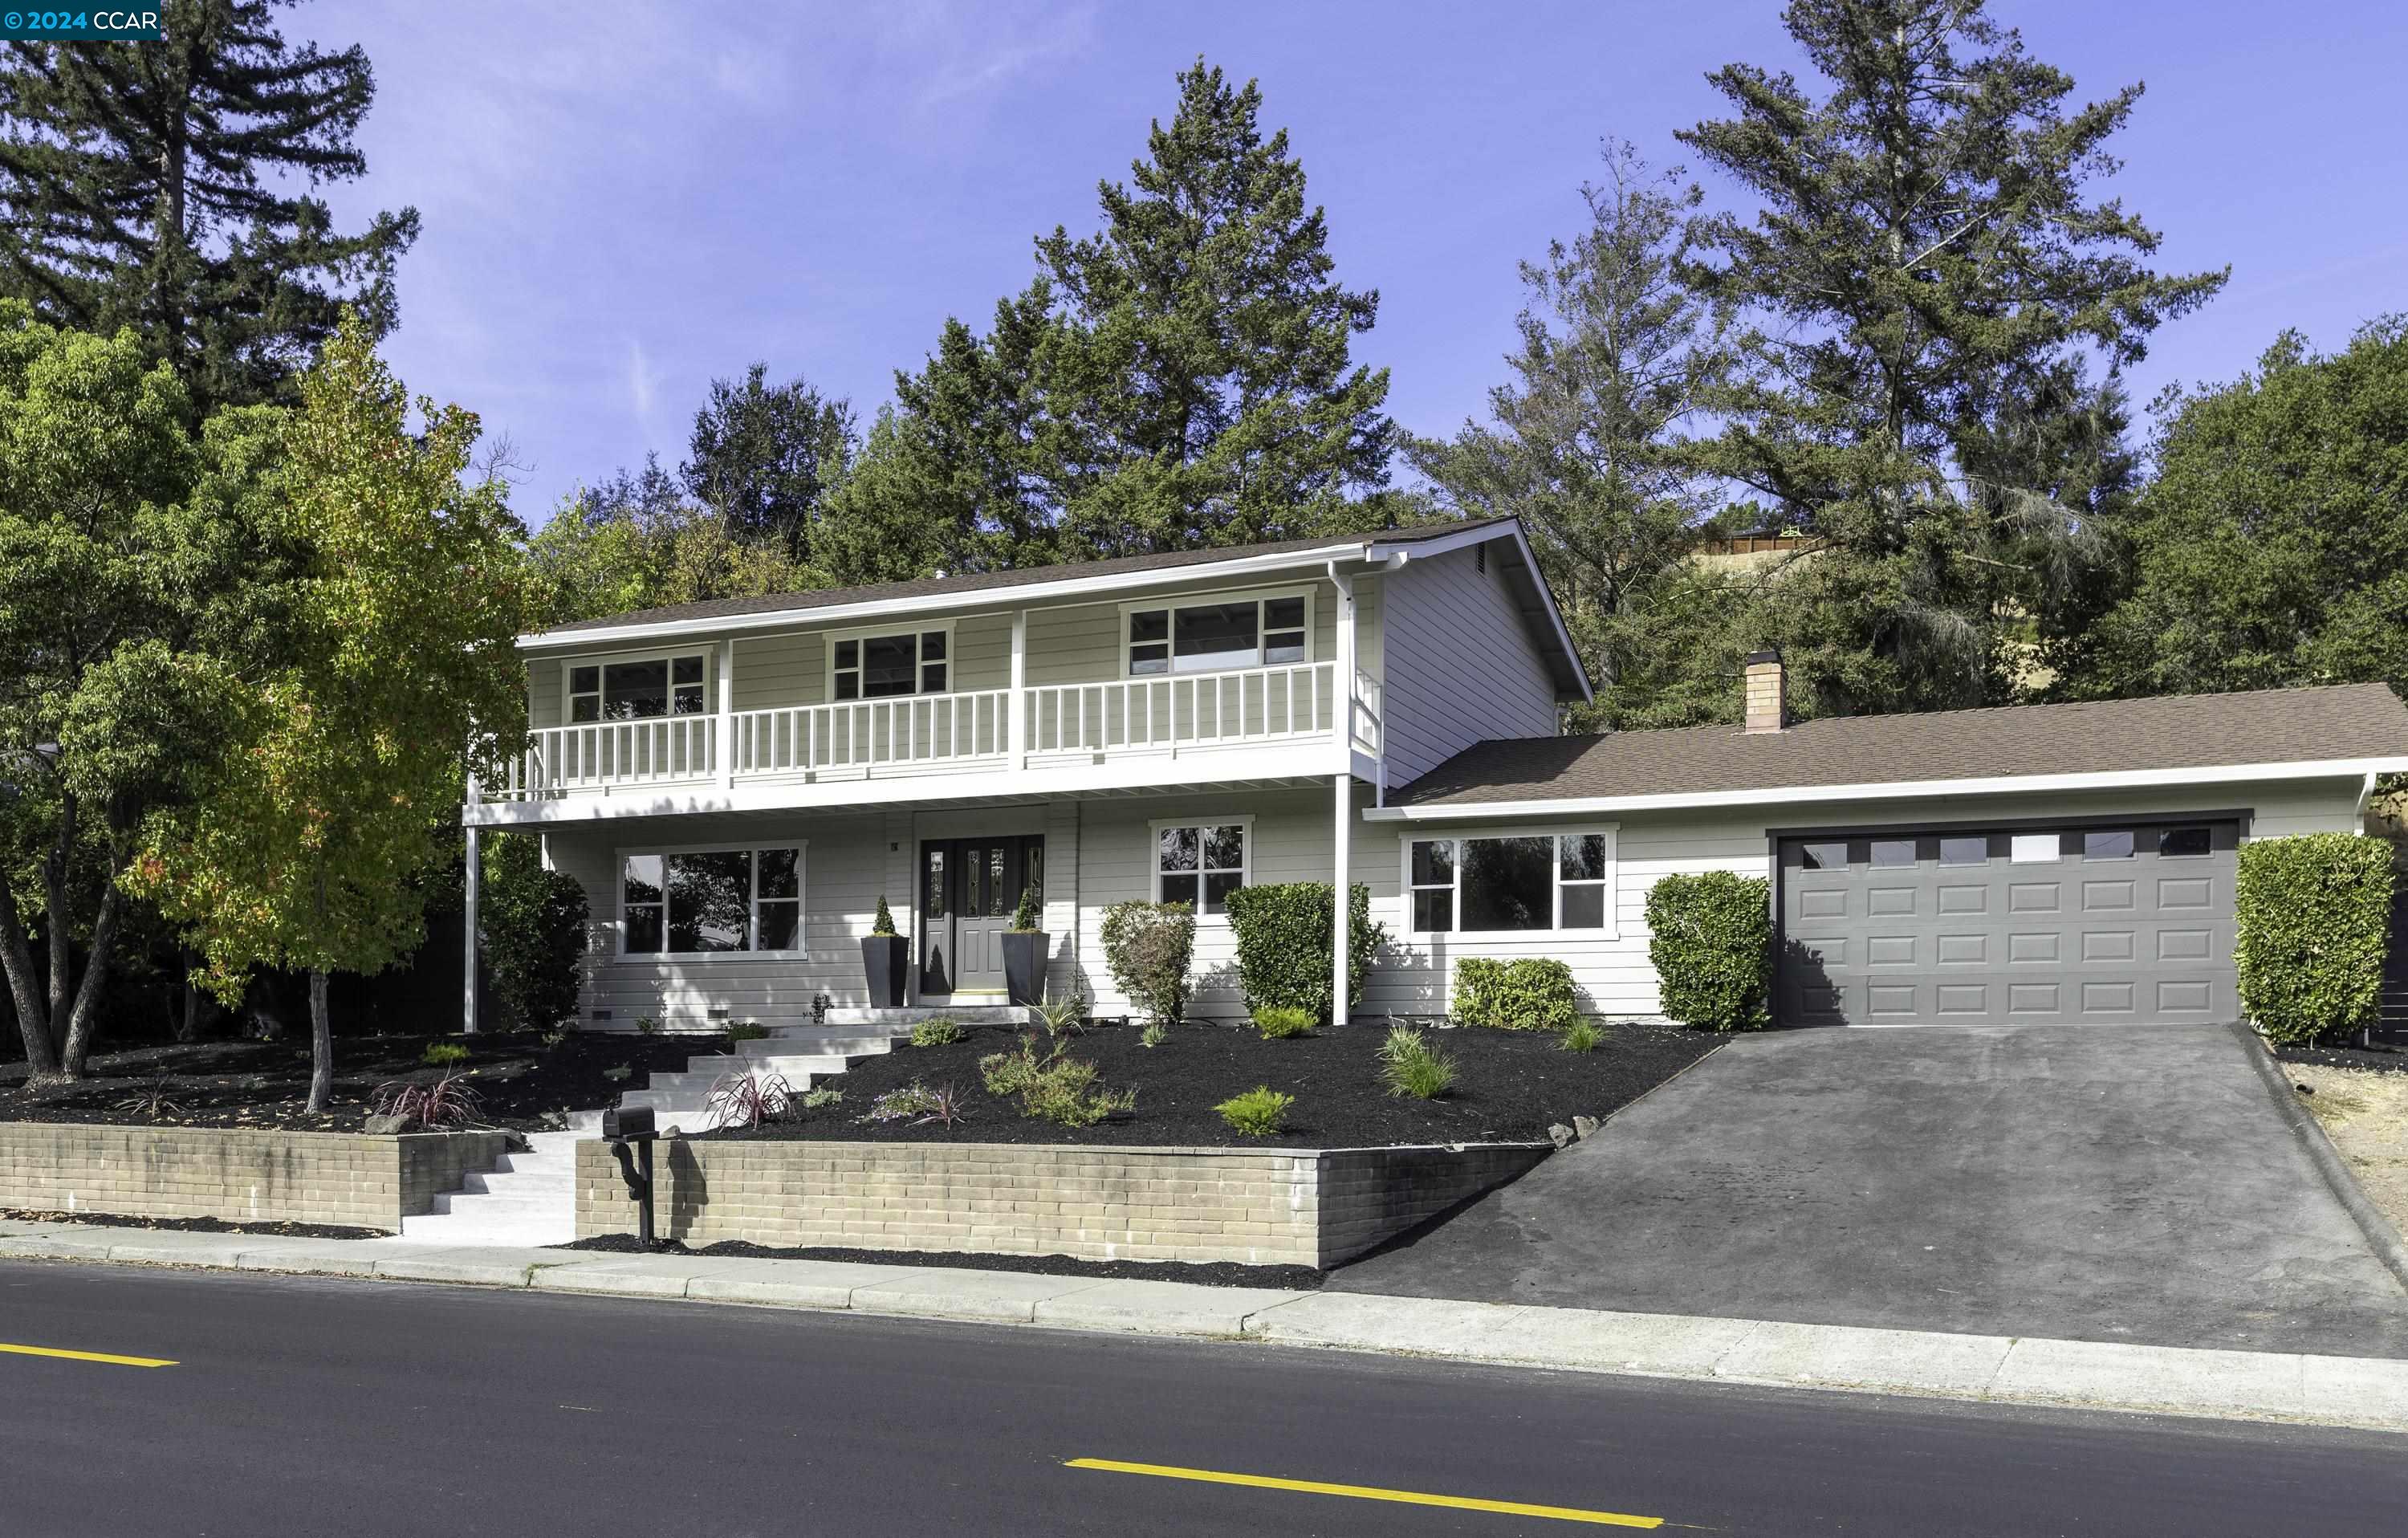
2131,922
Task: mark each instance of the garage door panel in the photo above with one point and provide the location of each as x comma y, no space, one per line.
2185,997
2034,896
1891,901
2107,896
1963,951
2183,945
1893,1000
1960,898
1889,950
2043,948
1827,903
1962,999
2108,997
2107,945
2035,999
2185,894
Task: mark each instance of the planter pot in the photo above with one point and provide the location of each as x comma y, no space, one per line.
882,959
1024,952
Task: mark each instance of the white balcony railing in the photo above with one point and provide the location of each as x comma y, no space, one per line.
617,753
1202,710
924,730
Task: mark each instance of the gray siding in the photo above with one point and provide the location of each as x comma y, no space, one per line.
1459,666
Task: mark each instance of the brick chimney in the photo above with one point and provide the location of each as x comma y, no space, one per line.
1767,701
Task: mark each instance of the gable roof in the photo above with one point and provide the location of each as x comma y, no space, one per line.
2338,729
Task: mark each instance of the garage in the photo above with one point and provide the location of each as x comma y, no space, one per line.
2097,924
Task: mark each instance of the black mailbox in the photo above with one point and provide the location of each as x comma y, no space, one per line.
628,1129
622,1123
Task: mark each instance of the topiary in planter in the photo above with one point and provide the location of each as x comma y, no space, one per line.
1709,936
1532,994
1284,944
2313,913
1147,948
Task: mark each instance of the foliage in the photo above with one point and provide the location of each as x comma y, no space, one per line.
531,925
1534,993
444,1054
1026,920
1408,1065
819,1098
919,1105
648,1025
765,456
2273,548
747,1030
1147,949
1918,274
1283,933
449,1101
1710,939
1154,1034
1582,1035
152,1099
740,1099
1006,1073
1055,1087
1259,1113
636,542
620,1074
175,188
884,924
2314,911
313,846
1612,352
1061,1016
935,1032
1277,1022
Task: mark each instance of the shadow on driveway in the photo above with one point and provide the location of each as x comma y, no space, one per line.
2127,1184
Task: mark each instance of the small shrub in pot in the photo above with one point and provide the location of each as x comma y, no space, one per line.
1709,936
884,953
1026,947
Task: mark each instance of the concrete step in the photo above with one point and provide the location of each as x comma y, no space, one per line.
519,1181
849,1042
533,1204
968,1015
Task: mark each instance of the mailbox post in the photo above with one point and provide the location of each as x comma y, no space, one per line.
629,1132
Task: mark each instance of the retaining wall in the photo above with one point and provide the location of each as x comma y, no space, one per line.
1313,1207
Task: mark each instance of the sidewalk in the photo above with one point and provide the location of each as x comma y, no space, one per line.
2364,1392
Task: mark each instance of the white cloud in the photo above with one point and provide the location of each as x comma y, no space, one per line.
642,380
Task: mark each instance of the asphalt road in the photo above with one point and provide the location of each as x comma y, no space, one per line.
323,1406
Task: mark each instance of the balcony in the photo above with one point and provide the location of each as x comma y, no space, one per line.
1154,729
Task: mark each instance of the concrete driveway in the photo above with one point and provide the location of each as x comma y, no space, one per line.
2083,1183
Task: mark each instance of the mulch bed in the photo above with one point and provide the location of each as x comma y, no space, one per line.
1220,1274
264,1084
2381,1058
196,1225
1509,1086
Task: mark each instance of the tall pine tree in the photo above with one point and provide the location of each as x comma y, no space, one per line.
149,185
765,456
1926,267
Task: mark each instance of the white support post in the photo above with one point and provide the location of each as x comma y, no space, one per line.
1017,745
470,886
1341,891
728,712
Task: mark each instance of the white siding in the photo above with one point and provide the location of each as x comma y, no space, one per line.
1461,665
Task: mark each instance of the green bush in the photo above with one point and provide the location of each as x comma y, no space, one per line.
1284,944
935,1032
1026,920
1055,1088
1280,1021
1147,948
531,933
1259,1113
1408,1065
1531,994
1582,1035
747,1030
883,926
1709,936
444,1055
2313,912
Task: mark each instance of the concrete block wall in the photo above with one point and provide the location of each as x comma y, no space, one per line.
238,1176
1252,1206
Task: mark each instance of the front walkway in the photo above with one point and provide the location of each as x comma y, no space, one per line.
2079,1182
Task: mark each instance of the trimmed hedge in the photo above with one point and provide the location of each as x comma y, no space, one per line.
2315,912
1284,944
1531,994
531,933
1709,936
1147,949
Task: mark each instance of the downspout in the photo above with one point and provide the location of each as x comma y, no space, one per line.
2365,795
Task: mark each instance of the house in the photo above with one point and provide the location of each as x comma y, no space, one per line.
737,783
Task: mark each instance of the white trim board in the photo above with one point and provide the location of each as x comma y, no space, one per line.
1896,790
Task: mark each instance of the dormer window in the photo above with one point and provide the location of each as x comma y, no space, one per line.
1268,630
637,689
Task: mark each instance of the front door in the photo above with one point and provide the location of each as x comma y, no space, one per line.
968,890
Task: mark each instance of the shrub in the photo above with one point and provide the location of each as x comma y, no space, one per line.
1025,918
1408,1065
1059,1017
620,1074
1055,1088
1582,1035
1278,1021
1284,944
884,923
741,1099
1007,1073
444,1055
819,1098
1531,994
446,1102
1258,1113
1153,1035
2314,911
531,924
648,1025
1709,936
1147,948
935,1032
919,1105
747,1030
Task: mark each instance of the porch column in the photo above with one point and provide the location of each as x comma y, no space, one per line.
1341,893
1016,736
472,882
727,712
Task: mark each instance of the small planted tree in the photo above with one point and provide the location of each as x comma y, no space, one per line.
1147,948
2313,913
1709,936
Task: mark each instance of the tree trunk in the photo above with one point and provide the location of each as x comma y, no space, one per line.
321,1045
58,917
24,987
83,1017
187,1024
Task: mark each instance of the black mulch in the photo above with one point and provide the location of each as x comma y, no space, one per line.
196,1225
266,1084
2380,1059
1224,1274
1509,1086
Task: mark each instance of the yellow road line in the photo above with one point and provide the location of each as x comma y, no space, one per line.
84,1356
1369,1492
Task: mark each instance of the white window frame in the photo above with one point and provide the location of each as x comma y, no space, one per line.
605,660
1610,881
802,848
918,665
1243,822
1257,595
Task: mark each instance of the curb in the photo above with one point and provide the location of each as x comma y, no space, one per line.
2380,1236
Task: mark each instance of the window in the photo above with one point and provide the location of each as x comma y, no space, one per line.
636,690
1824,856
709,901
1965,849
1507,885
1892,853
2184,842
1204,637
913,662
2033,849
1200,865
2107,843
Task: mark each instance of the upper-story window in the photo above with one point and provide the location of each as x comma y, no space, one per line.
1228,632
636,688
881,666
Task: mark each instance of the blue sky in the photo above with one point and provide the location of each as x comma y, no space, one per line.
623,200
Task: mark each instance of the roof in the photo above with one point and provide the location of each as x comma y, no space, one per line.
2354,725
987,582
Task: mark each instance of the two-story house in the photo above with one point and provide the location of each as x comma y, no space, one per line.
737,783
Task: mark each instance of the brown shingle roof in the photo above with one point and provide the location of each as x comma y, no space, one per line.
2190,731
980,582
